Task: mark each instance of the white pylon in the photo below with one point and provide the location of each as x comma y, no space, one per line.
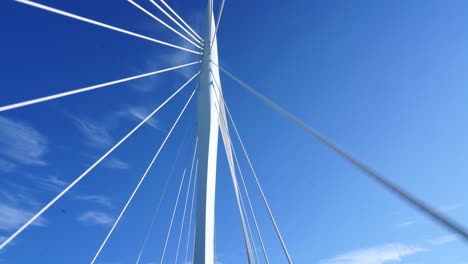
211,117
208,129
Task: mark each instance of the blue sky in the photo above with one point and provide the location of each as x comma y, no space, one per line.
386,80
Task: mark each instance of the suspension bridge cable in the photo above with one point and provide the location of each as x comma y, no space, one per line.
272,218
47,206
252,240
251,209
181,20
89,88
142,179
227,146
173,214
176,22
163,194
172,218
210,18
392,187
217,22
185,203
193,244
223,104
239,204
97,23
191,212
163,23
175,205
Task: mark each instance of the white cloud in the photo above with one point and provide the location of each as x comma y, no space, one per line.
17,206
101,200
97,135
438,241
18,196
12,217
53,183
406,224
148,84
374,255
115,163
96,218
21,143
180,58
141,113
170,59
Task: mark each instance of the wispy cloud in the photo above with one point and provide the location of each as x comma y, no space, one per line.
12,217
405,224
99,199
21,144
115,163
17,205
375,255
442,240
179,58
170,59
141,113
18,196
96,135
53,183
150,83
137,113
96,218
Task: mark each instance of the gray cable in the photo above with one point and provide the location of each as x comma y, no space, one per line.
393,188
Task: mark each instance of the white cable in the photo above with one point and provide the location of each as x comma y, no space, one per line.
176,22
172,218
94,22
33,218
185,203
142,179
193,244
258,185
220,95
88,88
217,22
191,212
227,146
251,209
252,240
223,122
210,18
181,20
161,198
244,225
162,22
261,190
